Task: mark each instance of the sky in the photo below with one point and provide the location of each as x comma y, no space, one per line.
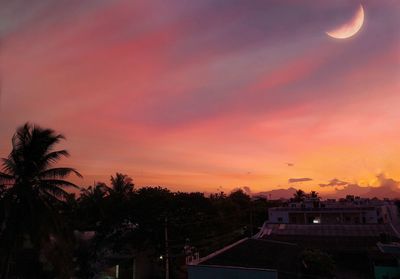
207,95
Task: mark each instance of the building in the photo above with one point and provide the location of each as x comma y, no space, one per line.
351,230
346,211
331,238
248,259
359,236
387,263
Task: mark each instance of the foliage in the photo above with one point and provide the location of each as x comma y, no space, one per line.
39,217
300,196
317,263
32,193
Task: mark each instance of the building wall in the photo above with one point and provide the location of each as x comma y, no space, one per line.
221,272
375,215
344,217
370,217
386,272
142,265
330,218
393,213
278,216
297,218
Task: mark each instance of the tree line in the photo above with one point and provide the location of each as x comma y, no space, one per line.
47,231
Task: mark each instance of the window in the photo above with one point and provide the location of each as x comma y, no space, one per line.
280,219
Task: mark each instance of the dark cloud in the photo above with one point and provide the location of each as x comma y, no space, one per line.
277,193
290,164
302,179
334,182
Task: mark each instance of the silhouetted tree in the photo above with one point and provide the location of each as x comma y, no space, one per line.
33,190
91,209
94,193
317,264
314,195
121,184
299,195
240,198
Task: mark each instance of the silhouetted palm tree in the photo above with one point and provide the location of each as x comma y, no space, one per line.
33,188
28,167
299,195
314,195
121,185
92,205
94,193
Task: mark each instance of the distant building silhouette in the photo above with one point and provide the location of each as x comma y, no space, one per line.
347,238
352,210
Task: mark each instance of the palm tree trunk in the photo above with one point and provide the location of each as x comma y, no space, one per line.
9,235
6,266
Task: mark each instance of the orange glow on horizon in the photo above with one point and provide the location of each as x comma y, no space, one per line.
198,98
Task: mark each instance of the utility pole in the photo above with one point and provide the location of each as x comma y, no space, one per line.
134,268
251,219
166,248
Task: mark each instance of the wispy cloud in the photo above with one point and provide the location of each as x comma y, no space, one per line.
193,94
302,179
334,182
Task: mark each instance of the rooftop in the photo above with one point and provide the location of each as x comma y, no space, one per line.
359,230
257,253
329,209
389,248
330,237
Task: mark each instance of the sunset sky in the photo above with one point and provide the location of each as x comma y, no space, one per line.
207,95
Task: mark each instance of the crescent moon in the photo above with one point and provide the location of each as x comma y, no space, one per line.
350,28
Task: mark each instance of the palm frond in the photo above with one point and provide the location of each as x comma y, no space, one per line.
51,190
58,183
6,176
21,136
56,155
52,157
8,165
47,137
59,173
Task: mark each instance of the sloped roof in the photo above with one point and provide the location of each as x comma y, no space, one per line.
258,253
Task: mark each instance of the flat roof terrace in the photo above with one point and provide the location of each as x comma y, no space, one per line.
360,230
331,237
324,209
